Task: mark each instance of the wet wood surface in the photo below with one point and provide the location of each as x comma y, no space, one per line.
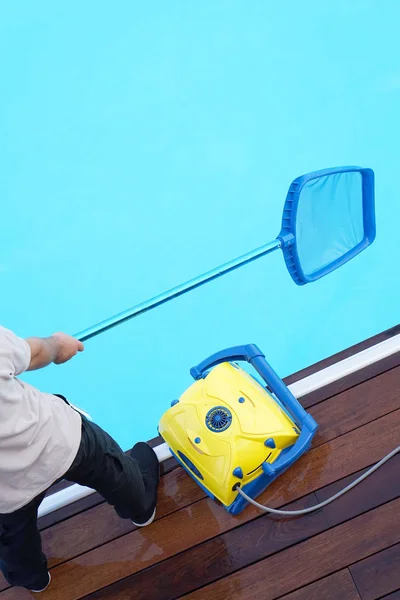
196,550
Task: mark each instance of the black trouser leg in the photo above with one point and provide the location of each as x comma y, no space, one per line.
22,561
102,465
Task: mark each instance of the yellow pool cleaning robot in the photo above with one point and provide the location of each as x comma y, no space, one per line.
229,430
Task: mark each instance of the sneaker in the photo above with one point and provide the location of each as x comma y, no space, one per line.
150,469
139,522
44,588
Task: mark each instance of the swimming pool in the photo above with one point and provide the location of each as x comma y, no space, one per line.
145,145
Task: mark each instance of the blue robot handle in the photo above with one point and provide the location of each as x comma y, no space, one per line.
236,353
253,355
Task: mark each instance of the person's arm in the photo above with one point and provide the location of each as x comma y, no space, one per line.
58,349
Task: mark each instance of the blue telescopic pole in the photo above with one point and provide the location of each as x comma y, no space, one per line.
179,290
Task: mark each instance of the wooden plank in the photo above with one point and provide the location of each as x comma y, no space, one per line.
204,520
95,527
71,510
379,574
352,380
340,585
365,496
105,525
80,540
311,560
337,459
357,406
211,560
241,547
354,408
206,563
307,401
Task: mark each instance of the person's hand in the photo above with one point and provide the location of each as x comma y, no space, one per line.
66,347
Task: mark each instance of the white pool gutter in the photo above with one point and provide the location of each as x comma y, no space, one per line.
300,388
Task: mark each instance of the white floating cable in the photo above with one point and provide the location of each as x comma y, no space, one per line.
303,511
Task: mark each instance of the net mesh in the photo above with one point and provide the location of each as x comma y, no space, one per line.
329,221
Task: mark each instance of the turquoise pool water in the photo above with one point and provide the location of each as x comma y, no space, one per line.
144,143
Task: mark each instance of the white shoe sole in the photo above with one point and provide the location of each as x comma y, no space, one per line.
153,516
42,590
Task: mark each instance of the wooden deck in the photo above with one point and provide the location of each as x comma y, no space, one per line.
349,550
